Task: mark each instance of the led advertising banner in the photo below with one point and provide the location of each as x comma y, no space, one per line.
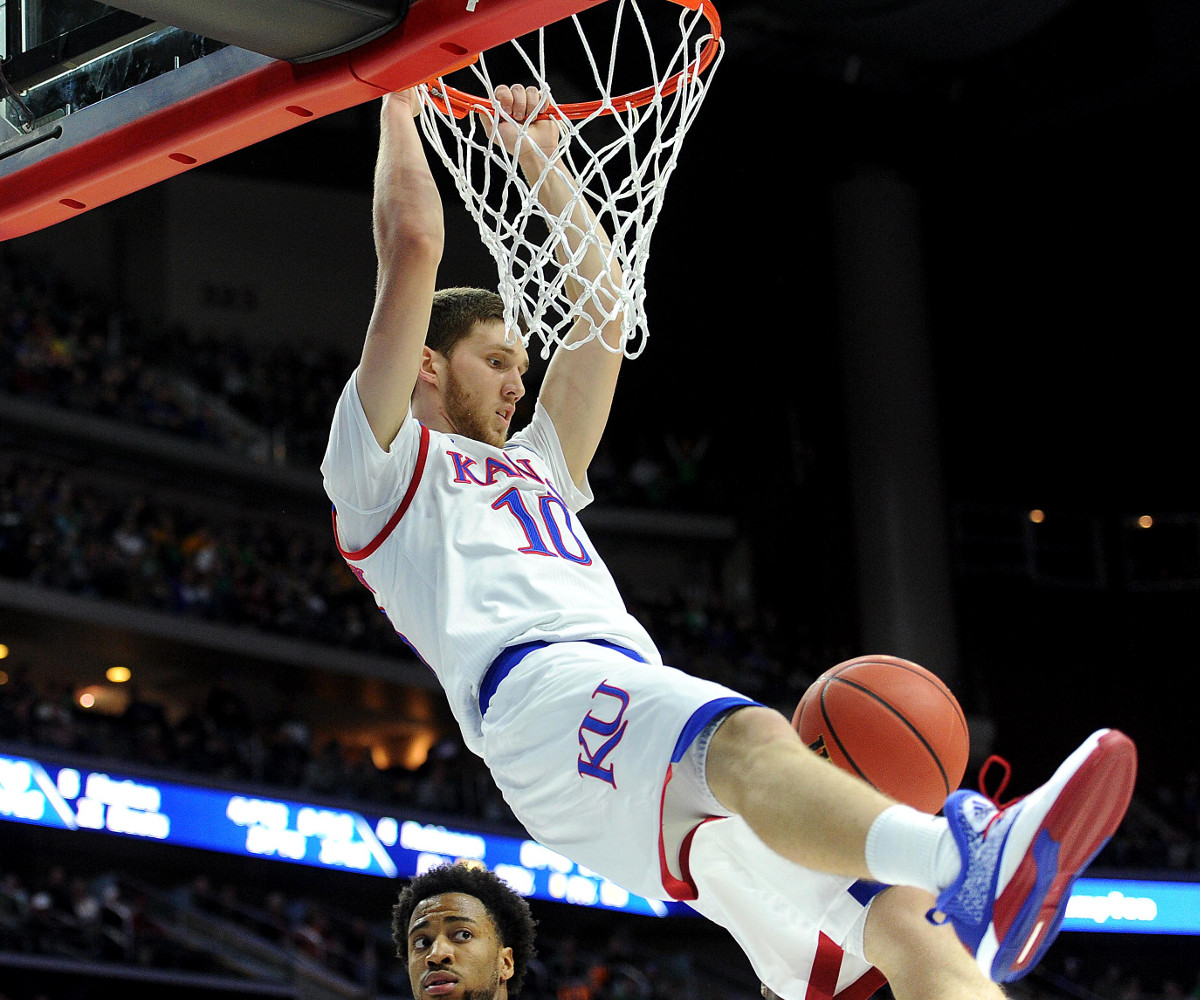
278,829
1126,906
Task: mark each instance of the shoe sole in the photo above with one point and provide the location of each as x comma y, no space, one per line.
1095,785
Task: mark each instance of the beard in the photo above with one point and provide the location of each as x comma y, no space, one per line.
489,993
467,420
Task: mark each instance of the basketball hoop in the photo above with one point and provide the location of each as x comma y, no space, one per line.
619,143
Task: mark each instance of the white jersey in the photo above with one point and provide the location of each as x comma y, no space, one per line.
468,548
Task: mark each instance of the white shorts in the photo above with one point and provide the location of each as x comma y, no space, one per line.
582,740
801,930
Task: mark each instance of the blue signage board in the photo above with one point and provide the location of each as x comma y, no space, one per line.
1128,906
279,829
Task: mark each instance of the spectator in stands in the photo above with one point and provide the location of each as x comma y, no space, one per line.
459,924
312,935
116,920
326,771
15,909
64,348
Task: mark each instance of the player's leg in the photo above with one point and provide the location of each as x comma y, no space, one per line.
800,805
921,961
1001,877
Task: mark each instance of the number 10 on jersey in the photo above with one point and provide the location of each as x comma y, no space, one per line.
514,501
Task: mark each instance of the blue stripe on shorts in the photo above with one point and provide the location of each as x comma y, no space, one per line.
864,891
503,665
701,718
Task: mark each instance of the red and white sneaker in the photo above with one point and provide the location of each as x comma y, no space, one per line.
1019,862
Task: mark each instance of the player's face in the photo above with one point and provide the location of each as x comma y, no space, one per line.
484,381
454,950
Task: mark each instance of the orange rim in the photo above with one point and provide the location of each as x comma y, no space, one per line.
460,103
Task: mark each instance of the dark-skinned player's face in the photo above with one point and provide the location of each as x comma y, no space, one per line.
454,951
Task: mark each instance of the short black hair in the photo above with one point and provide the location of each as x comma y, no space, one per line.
508,910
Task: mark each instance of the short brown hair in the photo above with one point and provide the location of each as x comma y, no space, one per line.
455,313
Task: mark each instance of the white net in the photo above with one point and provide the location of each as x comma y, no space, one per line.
618,155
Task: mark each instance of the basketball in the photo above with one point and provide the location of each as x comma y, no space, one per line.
891,722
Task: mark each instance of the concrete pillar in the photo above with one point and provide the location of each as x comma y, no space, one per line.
900,517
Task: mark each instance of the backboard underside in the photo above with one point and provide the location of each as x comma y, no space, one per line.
116,101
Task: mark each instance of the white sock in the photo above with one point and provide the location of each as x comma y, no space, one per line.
907,847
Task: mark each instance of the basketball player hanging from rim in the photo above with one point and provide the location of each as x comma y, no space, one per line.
467,540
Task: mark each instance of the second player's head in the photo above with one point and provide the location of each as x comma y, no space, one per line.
465,934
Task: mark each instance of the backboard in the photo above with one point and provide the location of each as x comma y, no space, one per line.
100,101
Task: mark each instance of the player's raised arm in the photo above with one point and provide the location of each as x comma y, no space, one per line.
579,384
409,237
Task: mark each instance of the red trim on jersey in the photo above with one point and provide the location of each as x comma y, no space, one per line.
864,986
677,888
827,965
422,454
